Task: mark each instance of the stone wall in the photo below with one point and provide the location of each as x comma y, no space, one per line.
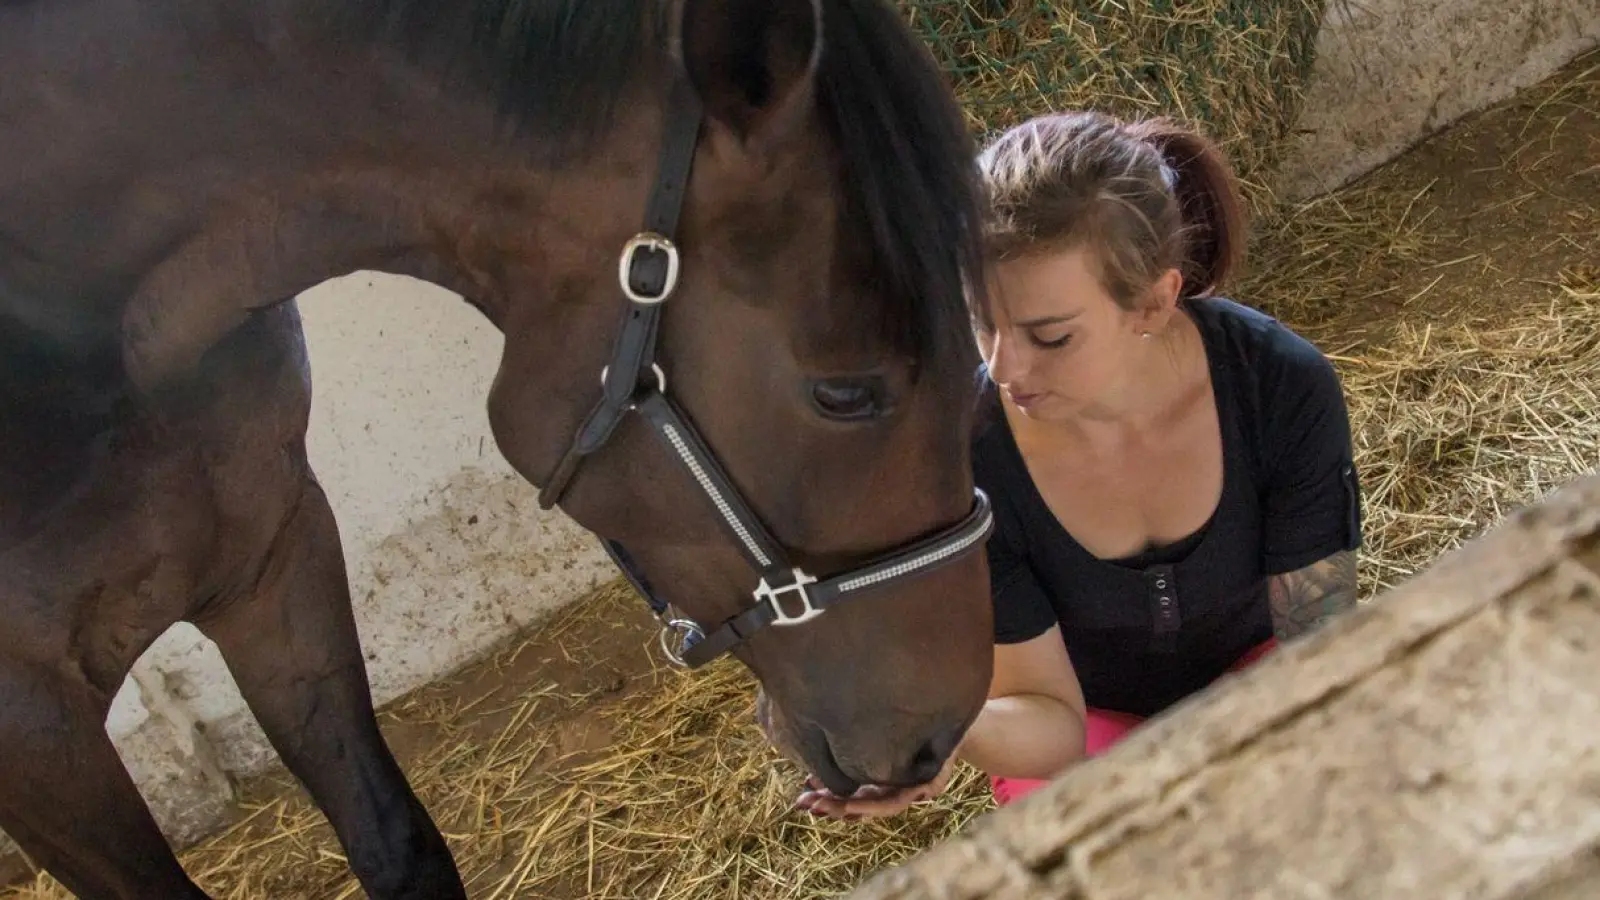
1389,73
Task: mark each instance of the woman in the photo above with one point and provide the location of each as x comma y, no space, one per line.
1171,471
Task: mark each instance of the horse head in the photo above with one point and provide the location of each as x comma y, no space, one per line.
781,436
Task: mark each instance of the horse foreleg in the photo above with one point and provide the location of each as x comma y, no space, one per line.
294,652
66,798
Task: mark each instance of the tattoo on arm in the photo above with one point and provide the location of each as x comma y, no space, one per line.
1303,600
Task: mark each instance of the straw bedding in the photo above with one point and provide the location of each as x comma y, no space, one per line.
567,766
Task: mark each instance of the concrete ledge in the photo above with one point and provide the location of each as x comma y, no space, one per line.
1440,740
1389,73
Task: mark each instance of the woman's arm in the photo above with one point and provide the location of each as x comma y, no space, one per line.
1311,493
1306,598
1033,724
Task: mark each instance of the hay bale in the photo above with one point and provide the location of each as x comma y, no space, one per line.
1235,67
1438,744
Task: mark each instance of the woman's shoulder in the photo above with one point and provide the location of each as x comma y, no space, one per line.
1269,353
1289,397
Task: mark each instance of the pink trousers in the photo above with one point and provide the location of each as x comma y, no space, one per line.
1103,728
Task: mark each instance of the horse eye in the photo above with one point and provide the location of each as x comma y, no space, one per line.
848,399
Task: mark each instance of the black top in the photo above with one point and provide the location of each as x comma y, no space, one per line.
1146,631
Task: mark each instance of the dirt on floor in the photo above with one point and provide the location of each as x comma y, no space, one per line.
573,763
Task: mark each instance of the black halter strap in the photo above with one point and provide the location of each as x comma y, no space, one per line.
648,273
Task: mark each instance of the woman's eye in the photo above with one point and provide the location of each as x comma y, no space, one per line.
1053,343
849,399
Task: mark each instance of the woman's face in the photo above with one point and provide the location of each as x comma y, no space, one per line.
1061,347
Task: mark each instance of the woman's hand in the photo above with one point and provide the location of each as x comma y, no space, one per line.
871,801
1032,726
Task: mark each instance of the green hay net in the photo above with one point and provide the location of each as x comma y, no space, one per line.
1234,67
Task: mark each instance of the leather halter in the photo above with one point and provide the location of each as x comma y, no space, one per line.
634,381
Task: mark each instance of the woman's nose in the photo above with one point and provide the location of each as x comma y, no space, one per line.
1002,361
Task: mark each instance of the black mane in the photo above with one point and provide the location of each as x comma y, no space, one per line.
910,172
558,66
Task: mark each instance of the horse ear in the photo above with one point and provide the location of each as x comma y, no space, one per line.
753,63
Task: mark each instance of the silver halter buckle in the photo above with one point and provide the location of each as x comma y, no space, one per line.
651,241
766,593
686,633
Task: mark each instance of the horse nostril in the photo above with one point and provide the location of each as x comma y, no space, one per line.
925,764
931,756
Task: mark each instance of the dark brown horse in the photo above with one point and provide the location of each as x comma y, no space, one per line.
725,240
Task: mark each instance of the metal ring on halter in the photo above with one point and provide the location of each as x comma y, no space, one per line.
689,631
652,241
661,377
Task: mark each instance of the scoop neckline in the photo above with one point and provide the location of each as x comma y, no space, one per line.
1224,420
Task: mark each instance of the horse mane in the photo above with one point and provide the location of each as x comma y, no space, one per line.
909,161
557,66
910,173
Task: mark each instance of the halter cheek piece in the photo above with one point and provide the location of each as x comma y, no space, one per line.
634,381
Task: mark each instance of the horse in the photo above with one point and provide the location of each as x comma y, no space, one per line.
728,244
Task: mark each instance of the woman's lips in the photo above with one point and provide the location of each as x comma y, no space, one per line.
1023,400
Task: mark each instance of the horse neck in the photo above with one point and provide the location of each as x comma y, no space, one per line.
251,159
428,176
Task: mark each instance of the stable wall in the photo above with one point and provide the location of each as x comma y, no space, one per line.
1389,73
447,549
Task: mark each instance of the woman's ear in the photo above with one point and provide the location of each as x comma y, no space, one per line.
1167,288
1160,302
